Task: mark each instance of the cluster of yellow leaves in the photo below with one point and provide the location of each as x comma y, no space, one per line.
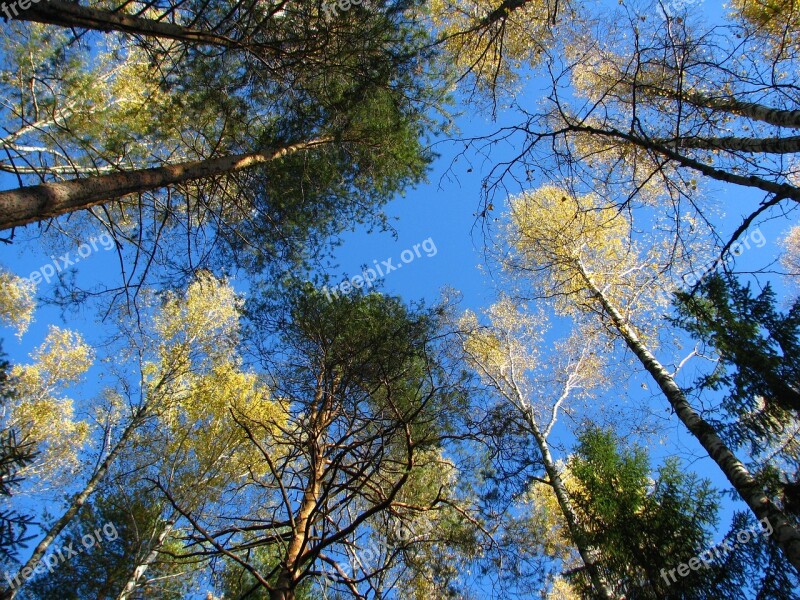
778,19
553,230
16,301
507,349
791,255
41,414
567,243
201,392
491,52
562,590
544,520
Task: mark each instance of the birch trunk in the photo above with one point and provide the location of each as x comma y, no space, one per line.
142,567
787,145
76,504
565,504
784,532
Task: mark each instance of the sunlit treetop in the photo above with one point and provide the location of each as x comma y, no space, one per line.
568,244
205,400
791,255
777,20
17,303
43,413
492,41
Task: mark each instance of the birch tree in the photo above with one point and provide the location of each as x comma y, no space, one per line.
581,252
505,354
190,378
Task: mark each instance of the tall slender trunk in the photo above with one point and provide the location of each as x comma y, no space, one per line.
148,560
72,14
784,532
77,502
30,204
752,110
565,504
284,588
757,112
779,190
777,145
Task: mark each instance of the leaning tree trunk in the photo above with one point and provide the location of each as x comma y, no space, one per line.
784,531
776,145
148,560
565,504
76,504
778,189
30,204
71,14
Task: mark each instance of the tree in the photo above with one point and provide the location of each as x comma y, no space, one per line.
365,405
177,409
581,251
505,354
638,525
645,525
245,161
488,42
648,105
126,524
757,347
16,453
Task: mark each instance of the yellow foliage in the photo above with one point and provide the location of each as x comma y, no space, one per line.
492,52
562,590
506,350
791,256
16,301
197,387
544,519
40,414
778,19
565,242
552,229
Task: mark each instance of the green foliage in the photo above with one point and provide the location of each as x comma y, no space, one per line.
641,526
758,348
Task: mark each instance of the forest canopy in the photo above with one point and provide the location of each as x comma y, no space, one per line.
231,369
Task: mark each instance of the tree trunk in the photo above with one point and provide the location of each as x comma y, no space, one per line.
142,567
71,14
76,504
779,190
30,204
757,112
787,145
284,588
565,504
784,532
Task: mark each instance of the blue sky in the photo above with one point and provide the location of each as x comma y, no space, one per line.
444,211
